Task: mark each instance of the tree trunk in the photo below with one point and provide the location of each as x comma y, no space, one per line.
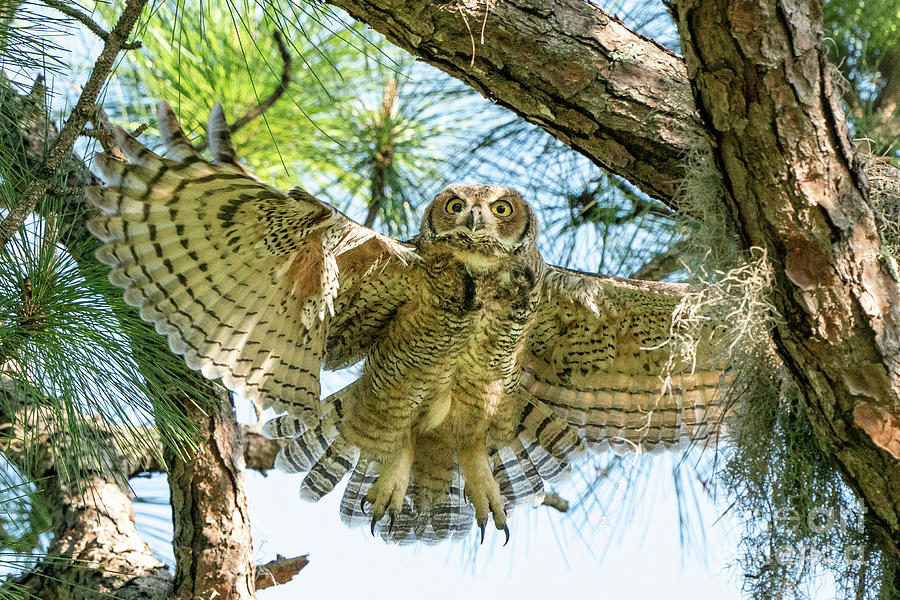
794,187
213,550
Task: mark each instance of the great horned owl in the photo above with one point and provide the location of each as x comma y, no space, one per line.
486,371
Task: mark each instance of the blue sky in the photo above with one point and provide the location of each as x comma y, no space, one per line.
545,556
648,561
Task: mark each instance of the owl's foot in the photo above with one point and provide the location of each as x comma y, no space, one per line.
482,489
387,493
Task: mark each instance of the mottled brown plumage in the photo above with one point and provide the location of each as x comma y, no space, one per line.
486,371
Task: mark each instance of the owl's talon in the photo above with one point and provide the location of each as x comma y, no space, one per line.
372,526
362,504
392,514
506,531
481,527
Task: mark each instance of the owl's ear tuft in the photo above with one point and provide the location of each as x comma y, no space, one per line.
177,145
219,135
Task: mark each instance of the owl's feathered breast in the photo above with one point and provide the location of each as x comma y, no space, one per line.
454,344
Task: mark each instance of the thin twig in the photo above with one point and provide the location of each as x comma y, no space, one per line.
83,111
279,571
65,191
87,22
662,265
556,501
278,92
103,133
139,130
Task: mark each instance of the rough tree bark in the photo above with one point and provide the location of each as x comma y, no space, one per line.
96,547
794,186
213,557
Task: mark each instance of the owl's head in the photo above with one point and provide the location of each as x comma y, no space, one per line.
487,219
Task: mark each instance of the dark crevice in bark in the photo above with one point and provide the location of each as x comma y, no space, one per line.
212,526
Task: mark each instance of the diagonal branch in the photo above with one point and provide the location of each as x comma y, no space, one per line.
617,97
62,145
662,265
279,571
88,22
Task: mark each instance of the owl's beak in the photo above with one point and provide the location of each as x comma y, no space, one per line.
475,222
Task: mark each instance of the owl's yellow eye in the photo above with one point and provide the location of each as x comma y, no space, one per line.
501,208
455,205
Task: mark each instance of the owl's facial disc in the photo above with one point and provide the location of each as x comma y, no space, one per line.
495,219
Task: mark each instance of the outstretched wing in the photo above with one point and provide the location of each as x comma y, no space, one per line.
242,278
596,356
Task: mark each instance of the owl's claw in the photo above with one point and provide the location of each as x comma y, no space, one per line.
387,493
392,514
482,525
376,517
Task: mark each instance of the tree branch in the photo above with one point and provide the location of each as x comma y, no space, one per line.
95,546
279,571
88,22
662,265
556,501
62,145
382,129
617,97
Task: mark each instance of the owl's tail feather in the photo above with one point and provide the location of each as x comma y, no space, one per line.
449,515
551,444
318,448
519,480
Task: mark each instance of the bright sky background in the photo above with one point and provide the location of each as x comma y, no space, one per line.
648,562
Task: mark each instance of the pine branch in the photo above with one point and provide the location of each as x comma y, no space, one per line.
556,501
383,157
88,22
95,544
662,265
271,99
84,109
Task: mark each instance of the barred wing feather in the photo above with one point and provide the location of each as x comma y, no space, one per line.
594,357
242,278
